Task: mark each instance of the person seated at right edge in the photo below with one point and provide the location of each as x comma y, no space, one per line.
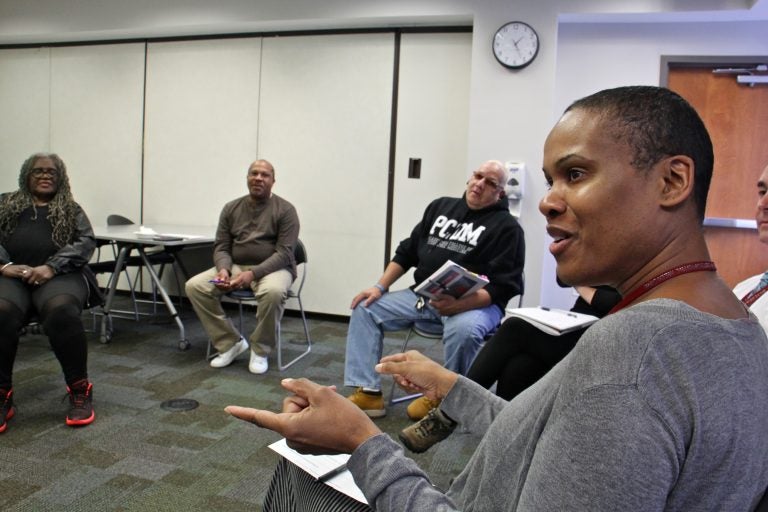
515,357
661,404
752,291
477,232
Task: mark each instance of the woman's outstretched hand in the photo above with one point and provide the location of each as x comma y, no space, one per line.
315,419
417,373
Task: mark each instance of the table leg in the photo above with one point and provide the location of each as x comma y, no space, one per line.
106,324
183,343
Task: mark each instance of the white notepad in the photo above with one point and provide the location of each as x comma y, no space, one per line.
320,465
553,321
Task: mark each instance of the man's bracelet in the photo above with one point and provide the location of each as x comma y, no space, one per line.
381,288
6,265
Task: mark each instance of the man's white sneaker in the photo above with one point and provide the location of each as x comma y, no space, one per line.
226,358
258,364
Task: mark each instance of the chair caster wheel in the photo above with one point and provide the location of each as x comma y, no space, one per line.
184,345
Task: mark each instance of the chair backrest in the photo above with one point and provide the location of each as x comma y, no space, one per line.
300,255
522,290
118,220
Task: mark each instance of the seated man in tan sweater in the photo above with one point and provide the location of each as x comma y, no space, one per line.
254,246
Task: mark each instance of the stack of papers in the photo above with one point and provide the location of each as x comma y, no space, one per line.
331,469
145,232
553,321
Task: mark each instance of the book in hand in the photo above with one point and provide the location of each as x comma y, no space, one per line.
553,321
451,279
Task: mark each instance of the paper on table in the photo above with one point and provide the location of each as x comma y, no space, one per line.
186,237
145,232
319,465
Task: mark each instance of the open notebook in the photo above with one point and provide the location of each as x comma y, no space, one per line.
553,321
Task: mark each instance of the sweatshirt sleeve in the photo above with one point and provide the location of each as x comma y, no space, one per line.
391,481
407,252
505,268
471,405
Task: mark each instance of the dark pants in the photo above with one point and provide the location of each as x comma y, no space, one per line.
294,490
518,355
57,305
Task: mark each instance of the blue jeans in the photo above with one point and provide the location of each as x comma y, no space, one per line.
463,334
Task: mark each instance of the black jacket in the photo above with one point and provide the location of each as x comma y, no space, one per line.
72,257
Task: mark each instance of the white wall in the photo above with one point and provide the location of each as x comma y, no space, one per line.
510,112
202,113
26,75
333,168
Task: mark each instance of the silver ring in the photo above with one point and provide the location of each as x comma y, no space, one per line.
24,272
37,282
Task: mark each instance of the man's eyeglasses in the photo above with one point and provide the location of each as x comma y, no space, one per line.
39,172
488,181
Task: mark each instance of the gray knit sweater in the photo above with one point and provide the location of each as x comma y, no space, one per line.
659,407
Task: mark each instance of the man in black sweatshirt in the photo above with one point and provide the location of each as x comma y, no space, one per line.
477,232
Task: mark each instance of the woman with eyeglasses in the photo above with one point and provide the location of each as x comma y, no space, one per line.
46,241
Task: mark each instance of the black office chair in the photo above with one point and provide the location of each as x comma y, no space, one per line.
246,296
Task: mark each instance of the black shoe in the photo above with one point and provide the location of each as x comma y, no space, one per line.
80,404
428,431
6,408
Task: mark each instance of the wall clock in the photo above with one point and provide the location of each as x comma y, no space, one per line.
515,44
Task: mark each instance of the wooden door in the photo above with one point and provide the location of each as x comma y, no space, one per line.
736,116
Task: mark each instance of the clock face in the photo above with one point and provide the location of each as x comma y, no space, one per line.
515,44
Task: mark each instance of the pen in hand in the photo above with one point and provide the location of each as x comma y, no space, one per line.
332,473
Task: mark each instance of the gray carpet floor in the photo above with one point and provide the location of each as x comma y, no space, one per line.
141,456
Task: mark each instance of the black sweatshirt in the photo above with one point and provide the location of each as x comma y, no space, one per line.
488,241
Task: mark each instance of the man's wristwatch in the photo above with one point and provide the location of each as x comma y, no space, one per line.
381,288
